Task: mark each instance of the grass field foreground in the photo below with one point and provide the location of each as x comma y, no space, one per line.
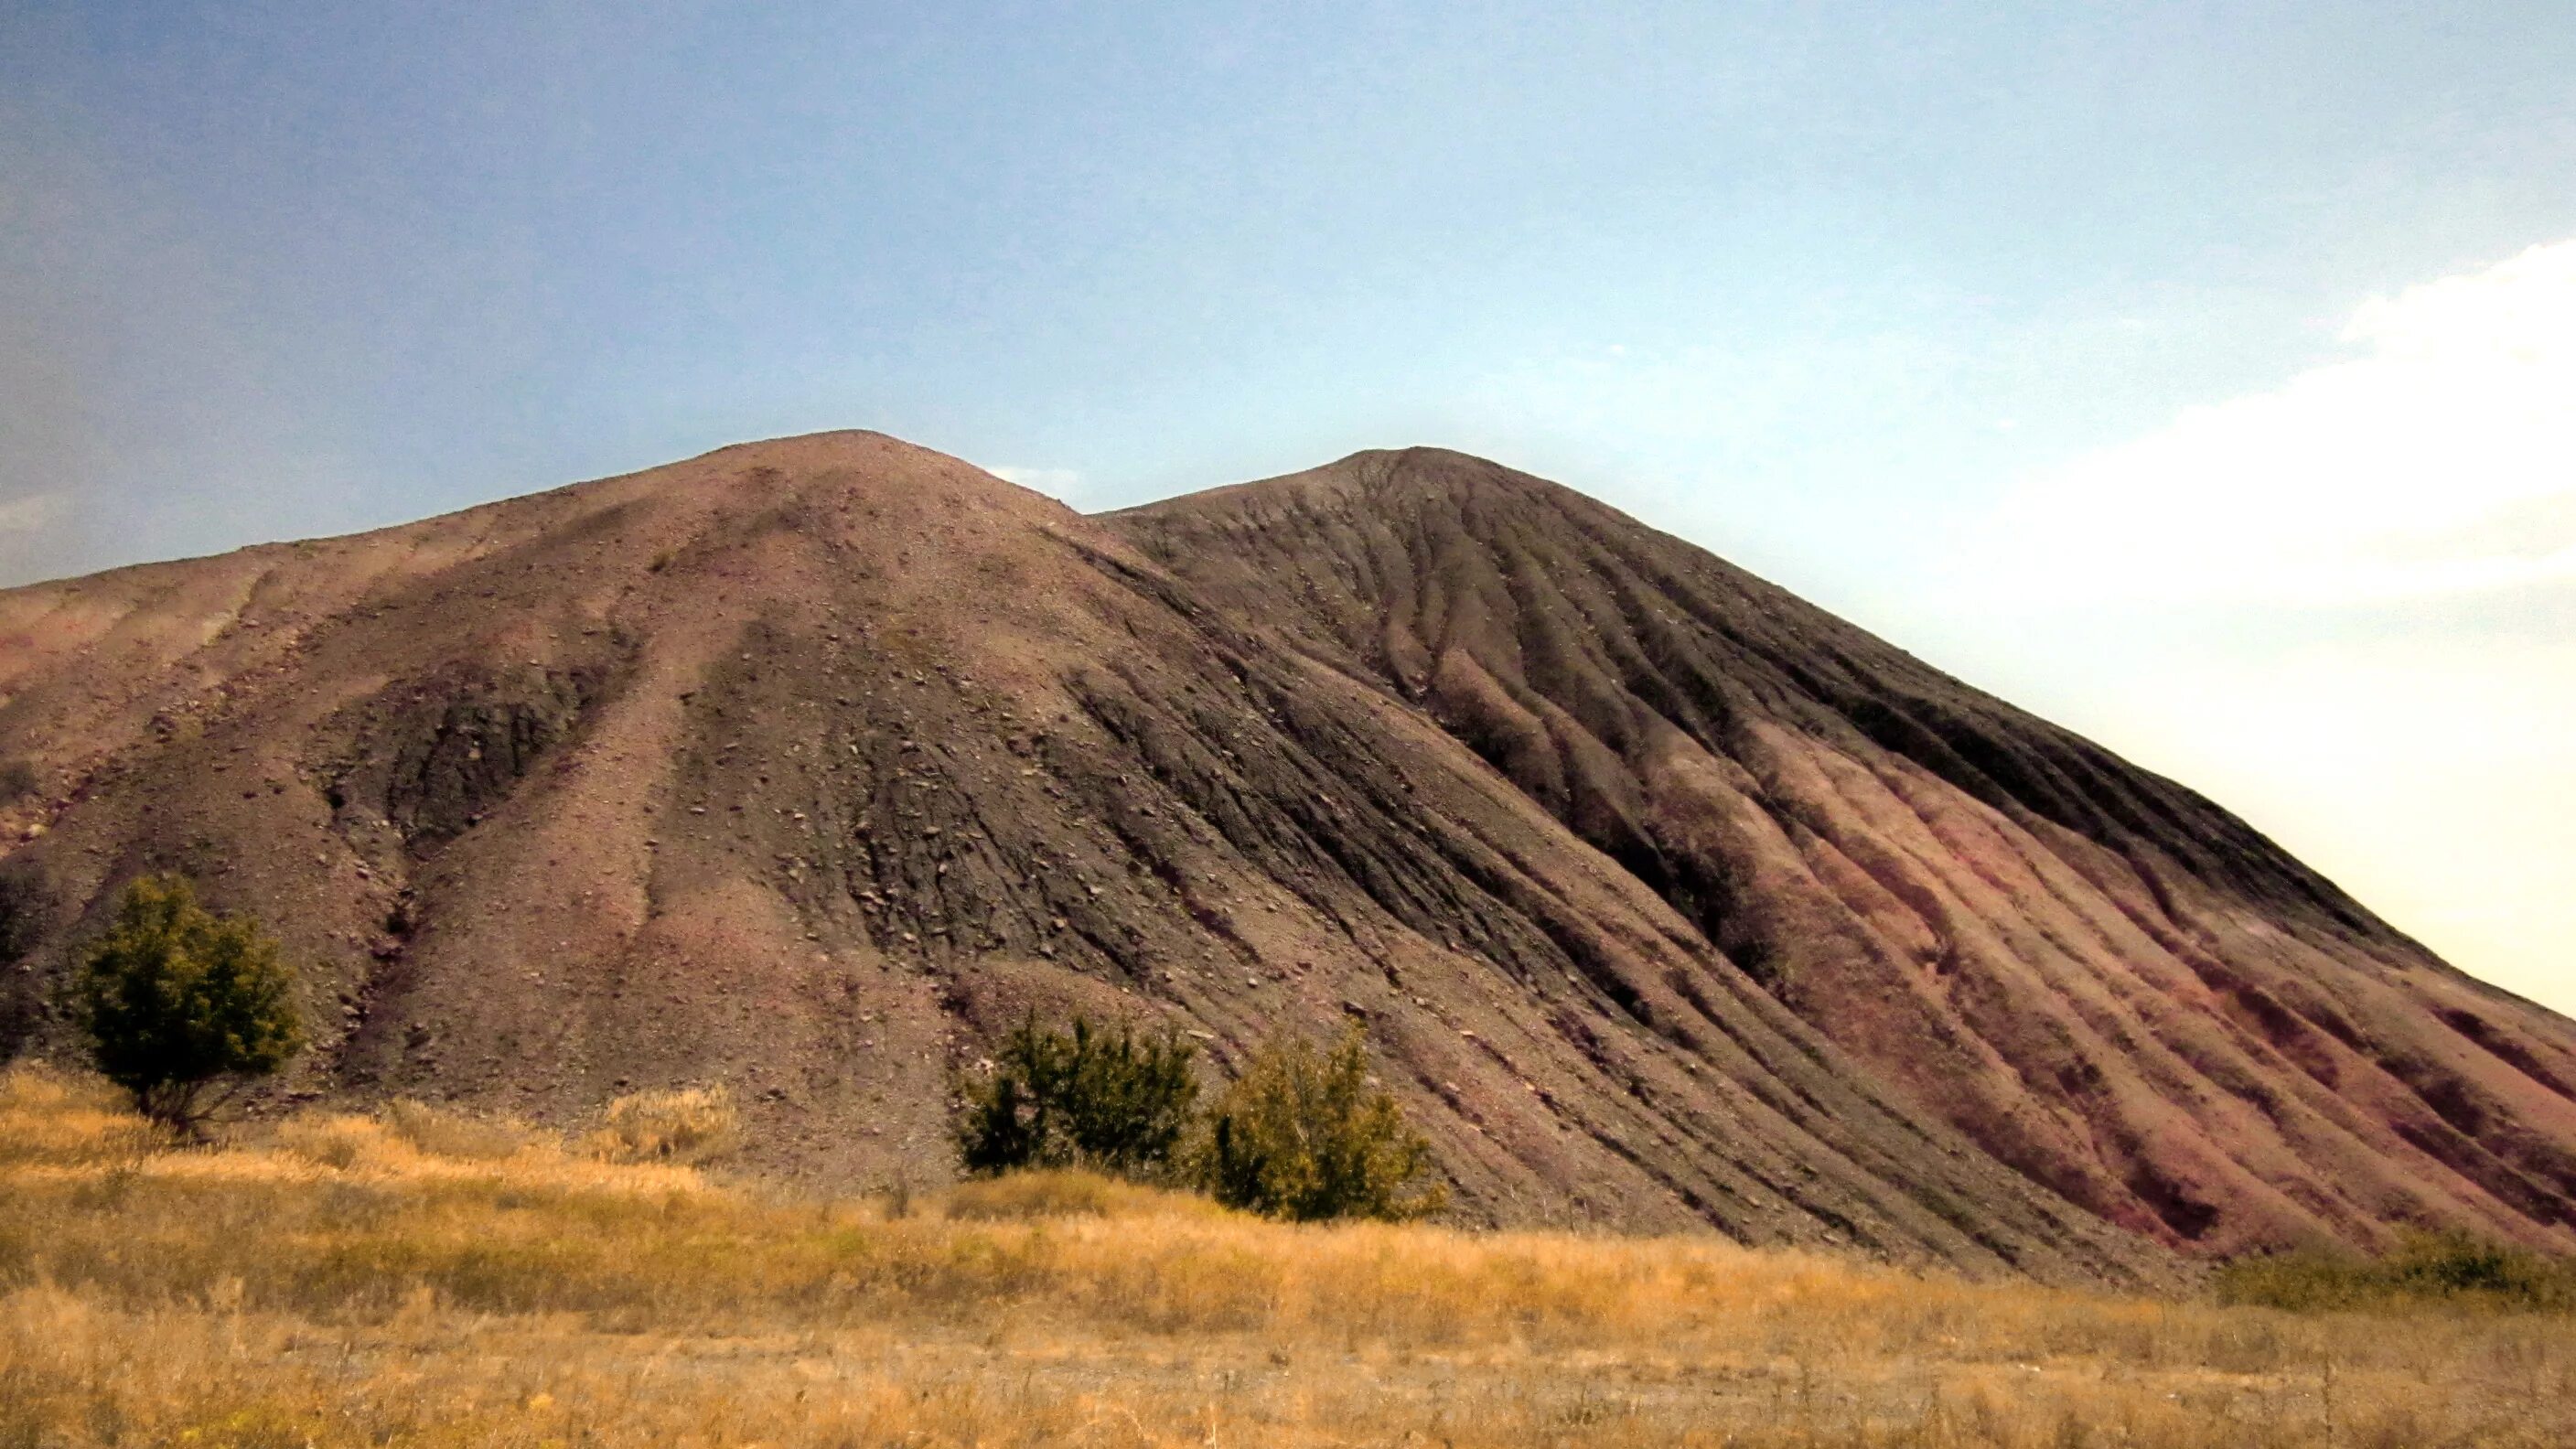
419,1278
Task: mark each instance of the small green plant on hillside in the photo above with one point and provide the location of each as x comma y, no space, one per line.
1110,1101
2428,1268
183,1007
1304,1135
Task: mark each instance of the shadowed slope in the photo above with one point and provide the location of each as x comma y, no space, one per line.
2105,980
809,765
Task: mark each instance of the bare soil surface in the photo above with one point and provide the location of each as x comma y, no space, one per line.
1664,899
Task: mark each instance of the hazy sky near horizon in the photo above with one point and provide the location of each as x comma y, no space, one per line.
2202,376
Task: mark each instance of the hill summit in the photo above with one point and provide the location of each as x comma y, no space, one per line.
1662,898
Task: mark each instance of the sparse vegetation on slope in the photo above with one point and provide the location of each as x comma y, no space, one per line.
2432,1268
343,1280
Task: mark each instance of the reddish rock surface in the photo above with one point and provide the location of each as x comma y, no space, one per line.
2100,977
1663,898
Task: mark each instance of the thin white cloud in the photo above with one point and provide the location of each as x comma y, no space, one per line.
2440,458
34,513
2316,603
1044,480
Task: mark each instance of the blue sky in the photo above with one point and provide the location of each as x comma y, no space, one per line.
2038,337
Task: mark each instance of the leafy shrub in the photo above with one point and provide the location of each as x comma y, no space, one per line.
182,1007
1303,1135
695,1125
2429,1267
1084,1098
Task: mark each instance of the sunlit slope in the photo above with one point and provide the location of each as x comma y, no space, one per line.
2102,978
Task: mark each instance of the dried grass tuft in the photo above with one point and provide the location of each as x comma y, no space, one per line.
692,1126
442,1132
1069,1193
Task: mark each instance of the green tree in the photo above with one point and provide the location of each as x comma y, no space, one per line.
184,1007
1303,1135
1080,1098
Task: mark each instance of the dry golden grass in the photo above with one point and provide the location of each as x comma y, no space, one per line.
341,1280
695,1125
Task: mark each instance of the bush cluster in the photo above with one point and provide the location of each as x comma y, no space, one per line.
184,1007
1083,1098
1301,1134
2428,1267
